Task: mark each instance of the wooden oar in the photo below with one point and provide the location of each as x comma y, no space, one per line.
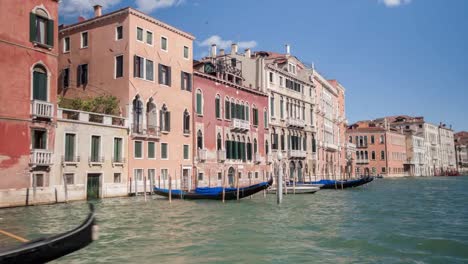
13,236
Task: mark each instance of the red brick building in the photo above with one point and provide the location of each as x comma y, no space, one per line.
27,94
230,125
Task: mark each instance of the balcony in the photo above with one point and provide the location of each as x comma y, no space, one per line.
42,109
258,158
70,160
95,160
202,153
362,161
331,146
294,122
221,155
153,131
40,157
89,117
361,146
118,161
140,131
239,125
297,154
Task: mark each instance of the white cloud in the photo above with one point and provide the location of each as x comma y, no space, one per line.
148,6
83,7
224,44
395,3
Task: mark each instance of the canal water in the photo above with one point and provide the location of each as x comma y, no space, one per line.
410,220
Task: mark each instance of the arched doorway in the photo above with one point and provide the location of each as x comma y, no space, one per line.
231,175
292,169
299,172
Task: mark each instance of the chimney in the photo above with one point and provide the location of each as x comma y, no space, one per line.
81,19
247,53
97,10
221,52
233,49
288,49
213,50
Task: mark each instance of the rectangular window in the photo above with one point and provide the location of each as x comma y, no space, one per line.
139,34
186,83
164,154
383,170
151,150
41,30
138,174
38,180
186,52
82,74
138,149
151,175
69,178
66,44
218,107
164,75
186,152
149,38
256,175
272,76
227,111
66,78
281,81
220,176
119,66
272,106
138,67
69,147
84,39
255,116
96,149
265,118
200,176
39,139
199,106
117,177
164,174
118,33
118,157
164,43
149,70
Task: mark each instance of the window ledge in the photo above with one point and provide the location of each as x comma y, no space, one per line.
164,132
42,45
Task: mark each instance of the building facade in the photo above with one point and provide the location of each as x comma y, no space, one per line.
415,150
230,125
147,65
461,150
379,150
91,160
27,97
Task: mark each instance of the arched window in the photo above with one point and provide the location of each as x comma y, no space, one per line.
249,149
266,147
41,29
165,119
218,106
40,83
255,146
367,155
137,115
219,142
199,140
255,115
151,116
265,118
186,122
382,155
281,107
247,112
357,155
227,108
199,102
282,139
373,155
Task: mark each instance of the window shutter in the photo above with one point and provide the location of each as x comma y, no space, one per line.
189,82
85,74
182,83
199,103
233,110
168,120
159,73
78,76
32,27
227,110
168,76
50,33
217,106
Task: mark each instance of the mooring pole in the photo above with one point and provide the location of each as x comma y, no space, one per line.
170,189
237,178
279,182
224,185
144,186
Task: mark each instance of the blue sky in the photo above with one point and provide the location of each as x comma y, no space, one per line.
392,56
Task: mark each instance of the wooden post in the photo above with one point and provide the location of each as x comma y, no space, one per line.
224,185
151,184
180,183
136,187
159,181
264,191
130,191
170,189
250,182
56,197
144,187
27,196
209,178
65,186
237,178
294,185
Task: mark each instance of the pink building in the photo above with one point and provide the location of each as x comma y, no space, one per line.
147,65
379,150
230,127
27,96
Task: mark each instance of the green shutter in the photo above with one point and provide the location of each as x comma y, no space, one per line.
233,110
227,110
182,84
199,103
137,149
265,119
168,121
117,147
40,86
151,150
217,108
168,76
50,33
32,27
186,154
234,156
69,147
247,113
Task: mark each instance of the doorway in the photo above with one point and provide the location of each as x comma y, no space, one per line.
93,186
185,179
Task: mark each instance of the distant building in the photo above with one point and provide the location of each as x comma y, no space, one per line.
28,98
147,65
230,126
379,149
461,151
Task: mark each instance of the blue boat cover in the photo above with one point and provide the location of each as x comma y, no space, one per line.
211,190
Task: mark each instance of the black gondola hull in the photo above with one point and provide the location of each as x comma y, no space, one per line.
50,248
348,184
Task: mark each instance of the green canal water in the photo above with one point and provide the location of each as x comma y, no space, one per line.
411,220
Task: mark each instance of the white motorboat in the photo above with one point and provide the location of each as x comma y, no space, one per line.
299,189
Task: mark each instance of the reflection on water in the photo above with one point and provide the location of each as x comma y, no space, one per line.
390,221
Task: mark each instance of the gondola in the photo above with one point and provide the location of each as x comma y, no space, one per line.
214,193
337,184
49,248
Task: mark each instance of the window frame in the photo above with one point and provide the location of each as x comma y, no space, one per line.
148,148
167,151
117,32
188,53
146,38
142,149
64,178
65,41
167,43
122,154
142,34
82,46
188,151
115,66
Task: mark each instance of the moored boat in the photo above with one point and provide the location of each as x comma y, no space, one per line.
49,248
339,184
299,189
214,193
